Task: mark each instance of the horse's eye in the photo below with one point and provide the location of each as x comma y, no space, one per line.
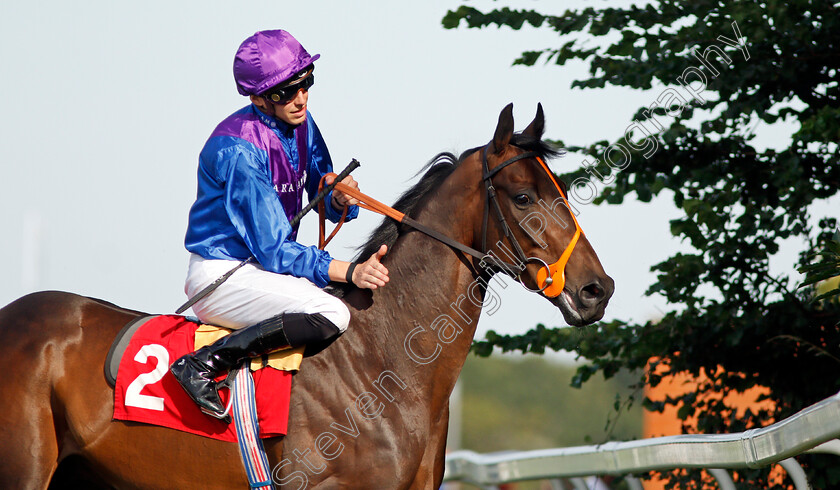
522,200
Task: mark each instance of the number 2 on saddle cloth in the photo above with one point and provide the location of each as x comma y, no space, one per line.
146,391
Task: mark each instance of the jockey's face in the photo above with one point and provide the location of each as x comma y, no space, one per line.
292,112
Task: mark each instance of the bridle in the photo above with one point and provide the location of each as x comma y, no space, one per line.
551,277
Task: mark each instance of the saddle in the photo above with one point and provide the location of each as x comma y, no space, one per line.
137,367
287,360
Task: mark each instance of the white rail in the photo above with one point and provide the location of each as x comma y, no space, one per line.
755,448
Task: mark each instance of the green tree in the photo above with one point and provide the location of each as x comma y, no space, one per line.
763,61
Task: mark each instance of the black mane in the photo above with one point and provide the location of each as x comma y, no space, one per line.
437,170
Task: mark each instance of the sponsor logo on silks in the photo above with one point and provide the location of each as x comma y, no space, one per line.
291,187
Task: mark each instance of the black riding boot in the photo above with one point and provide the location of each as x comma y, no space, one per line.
196,372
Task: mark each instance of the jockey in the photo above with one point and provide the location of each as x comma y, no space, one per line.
252,173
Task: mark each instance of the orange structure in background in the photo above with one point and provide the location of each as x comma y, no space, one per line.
668,423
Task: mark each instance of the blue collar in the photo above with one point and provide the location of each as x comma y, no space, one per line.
272,122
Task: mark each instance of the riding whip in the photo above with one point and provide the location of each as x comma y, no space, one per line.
354,164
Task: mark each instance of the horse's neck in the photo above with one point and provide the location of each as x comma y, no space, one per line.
424,320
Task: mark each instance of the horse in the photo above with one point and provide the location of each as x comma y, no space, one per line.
369,411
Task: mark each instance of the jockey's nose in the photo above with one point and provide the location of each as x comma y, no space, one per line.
596,292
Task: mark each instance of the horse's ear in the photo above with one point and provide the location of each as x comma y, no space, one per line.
537,126
504,130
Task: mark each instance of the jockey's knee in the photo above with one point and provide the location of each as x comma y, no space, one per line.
342,320
334,310
308,328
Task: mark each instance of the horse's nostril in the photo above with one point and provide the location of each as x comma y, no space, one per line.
592,294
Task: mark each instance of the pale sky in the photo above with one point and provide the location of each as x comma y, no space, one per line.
106,106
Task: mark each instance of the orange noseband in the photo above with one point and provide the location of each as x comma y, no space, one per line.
553,281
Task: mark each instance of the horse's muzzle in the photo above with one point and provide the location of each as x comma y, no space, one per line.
588,304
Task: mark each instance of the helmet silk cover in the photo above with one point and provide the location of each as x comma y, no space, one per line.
266,59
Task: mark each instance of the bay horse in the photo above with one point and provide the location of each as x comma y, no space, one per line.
371,411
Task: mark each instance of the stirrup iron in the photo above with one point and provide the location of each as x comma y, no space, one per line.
225,383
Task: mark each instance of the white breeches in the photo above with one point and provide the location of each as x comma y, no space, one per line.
253,294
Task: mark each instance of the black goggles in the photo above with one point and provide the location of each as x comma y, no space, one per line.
282,95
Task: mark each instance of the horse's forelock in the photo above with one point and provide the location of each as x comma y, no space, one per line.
544,149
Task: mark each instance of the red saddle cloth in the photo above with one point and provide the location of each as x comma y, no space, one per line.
147,392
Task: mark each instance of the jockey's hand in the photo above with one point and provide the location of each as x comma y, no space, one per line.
340,199
371,274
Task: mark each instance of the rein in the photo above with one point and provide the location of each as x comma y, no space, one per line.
371,204
551,277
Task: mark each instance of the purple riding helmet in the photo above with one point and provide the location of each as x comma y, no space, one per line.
266,59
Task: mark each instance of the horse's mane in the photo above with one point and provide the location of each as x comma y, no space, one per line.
437,170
